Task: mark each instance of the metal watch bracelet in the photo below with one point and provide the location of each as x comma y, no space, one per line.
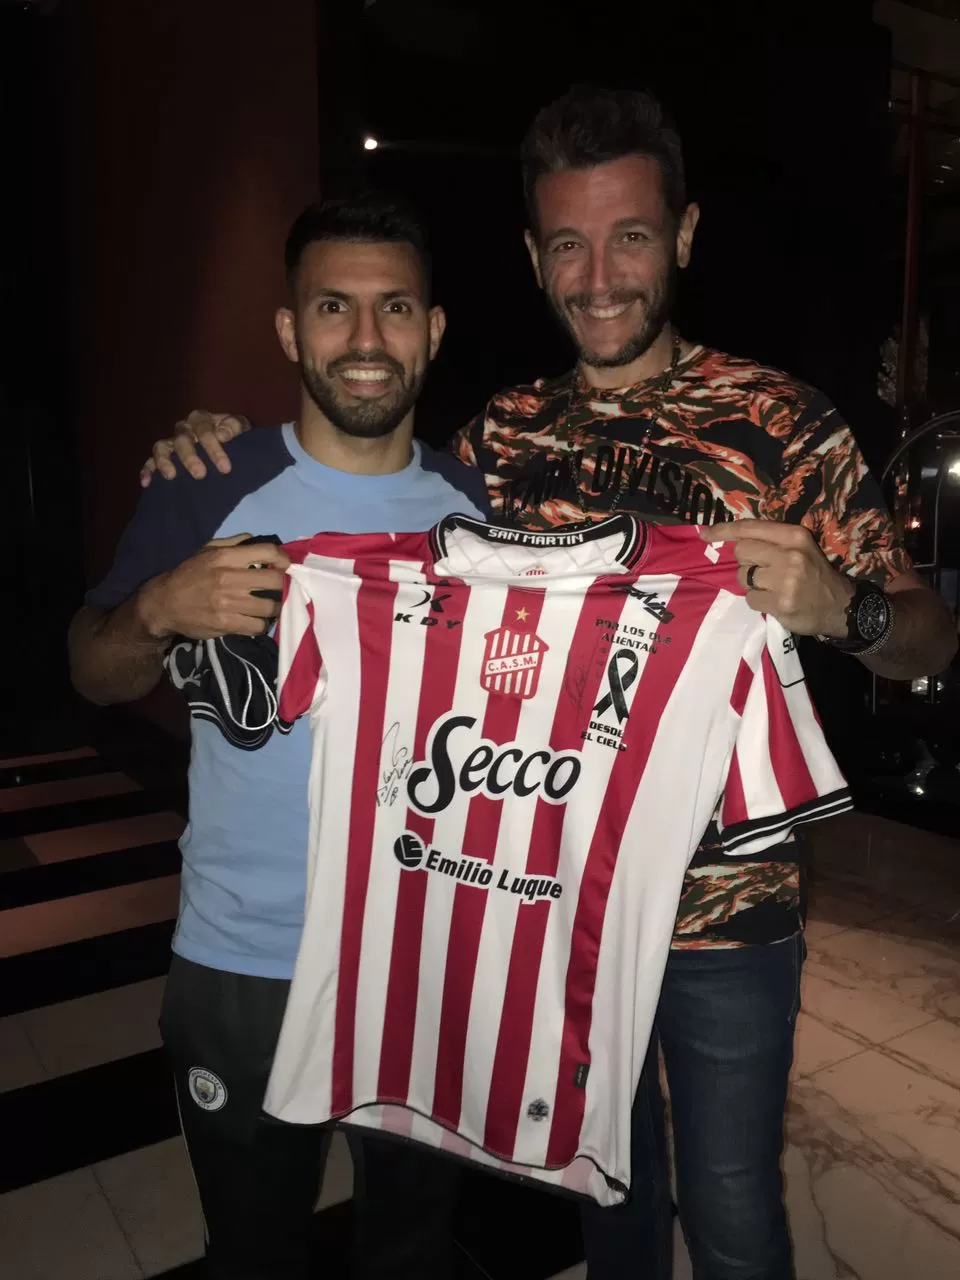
870,649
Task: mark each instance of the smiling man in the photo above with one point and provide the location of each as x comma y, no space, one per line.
611,279
362,331
650,423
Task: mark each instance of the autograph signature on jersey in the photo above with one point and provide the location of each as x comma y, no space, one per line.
395,764
577,679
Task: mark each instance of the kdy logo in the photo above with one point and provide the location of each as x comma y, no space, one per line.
432,604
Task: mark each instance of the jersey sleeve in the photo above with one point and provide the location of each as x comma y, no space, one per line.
782,773
301,679
826,486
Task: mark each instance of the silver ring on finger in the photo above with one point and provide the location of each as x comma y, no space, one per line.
751,577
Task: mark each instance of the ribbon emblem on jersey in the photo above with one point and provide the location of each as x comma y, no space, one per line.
619,683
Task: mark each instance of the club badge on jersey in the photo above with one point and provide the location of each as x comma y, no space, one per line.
511,661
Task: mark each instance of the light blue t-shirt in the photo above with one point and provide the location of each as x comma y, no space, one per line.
245,848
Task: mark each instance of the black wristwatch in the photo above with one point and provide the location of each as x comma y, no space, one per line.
869,620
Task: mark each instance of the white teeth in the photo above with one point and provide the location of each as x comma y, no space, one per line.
606,313
366,375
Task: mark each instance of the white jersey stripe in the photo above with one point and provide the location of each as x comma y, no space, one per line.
394,761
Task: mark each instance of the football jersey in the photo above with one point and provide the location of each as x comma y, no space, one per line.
519,739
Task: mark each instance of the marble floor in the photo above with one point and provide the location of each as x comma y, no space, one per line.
88,873
873,1128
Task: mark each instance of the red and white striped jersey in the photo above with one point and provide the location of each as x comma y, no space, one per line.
518,742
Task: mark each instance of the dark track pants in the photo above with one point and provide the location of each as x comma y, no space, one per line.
259,1179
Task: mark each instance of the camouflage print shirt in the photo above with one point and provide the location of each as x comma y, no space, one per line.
727,440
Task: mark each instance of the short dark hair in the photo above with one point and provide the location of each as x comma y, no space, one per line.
588,126
373,217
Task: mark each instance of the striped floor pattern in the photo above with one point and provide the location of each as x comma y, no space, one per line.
94,1179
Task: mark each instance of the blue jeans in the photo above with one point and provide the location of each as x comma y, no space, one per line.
725,1023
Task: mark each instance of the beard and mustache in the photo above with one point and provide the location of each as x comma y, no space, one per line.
363,419
657,303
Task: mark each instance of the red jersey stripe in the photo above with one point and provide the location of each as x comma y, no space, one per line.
786,754
301,682
741,688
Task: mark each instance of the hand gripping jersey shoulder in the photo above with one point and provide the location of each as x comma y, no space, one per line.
519,740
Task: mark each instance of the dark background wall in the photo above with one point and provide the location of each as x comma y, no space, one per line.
153,156
191,143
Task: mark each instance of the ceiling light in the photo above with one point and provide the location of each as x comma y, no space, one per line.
370,144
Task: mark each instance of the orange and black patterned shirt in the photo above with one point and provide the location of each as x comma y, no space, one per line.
727,440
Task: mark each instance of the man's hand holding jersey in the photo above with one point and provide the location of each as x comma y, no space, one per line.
216,592
786,575
117,655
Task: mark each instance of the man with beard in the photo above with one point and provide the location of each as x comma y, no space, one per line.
362,331
652,424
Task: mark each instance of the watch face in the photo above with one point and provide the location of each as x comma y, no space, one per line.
873,616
